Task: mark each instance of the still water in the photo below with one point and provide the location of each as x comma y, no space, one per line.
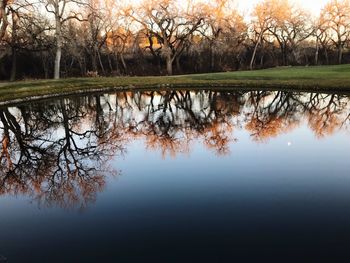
175,176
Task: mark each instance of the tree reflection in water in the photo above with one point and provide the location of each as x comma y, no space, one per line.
58,152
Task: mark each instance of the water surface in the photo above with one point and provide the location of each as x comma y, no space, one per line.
175,176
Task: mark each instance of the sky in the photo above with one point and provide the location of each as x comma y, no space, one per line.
246,6
314,6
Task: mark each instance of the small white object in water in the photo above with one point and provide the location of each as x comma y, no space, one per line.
289,144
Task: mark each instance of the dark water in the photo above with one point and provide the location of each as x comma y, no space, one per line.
176,176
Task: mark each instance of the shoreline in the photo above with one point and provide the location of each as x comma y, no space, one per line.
218,88
319,79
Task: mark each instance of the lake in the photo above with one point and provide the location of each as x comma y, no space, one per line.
175,176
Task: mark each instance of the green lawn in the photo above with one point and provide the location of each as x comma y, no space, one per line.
325,78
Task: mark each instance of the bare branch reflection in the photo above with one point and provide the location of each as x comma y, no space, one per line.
59,152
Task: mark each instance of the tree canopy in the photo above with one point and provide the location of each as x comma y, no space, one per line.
68,38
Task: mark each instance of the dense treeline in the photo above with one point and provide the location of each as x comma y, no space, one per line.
53,38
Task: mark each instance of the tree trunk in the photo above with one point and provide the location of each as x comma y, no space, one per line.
284,59
326,55
117,63
14,45
317,52
94,60
178,65
169,65
58,47
255,50
44,63
262,61
110,62
3,19
123,63
340,54
212,58
84,65
57,61
14,64
82,69
100,61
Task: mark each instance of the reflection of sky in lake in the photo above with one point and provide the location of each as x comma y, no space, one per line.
290,192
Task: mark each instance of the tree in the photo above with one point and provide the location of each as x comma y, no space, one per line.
99,23
262,19
4,22
63,11
157,37
21,34
3,17
224,30
171,27
337,20
117,42
290,26
322,39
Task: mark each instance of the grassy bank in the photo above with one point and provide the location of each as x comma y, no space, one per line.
295,78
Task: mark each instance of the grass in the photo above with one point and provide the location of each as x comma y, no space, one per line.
320,78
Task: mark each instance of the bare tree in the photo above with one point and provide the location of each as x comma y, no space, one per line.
224,29
4,22
290,27
20,34
171,27
323,39
63,11
3,17
337,20
262,19
108,37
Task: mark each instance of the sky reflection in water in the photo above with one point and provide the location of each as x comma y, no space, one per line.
175,175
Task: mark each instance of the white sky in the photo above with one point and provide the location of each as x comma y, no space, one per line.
246,6
314,6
